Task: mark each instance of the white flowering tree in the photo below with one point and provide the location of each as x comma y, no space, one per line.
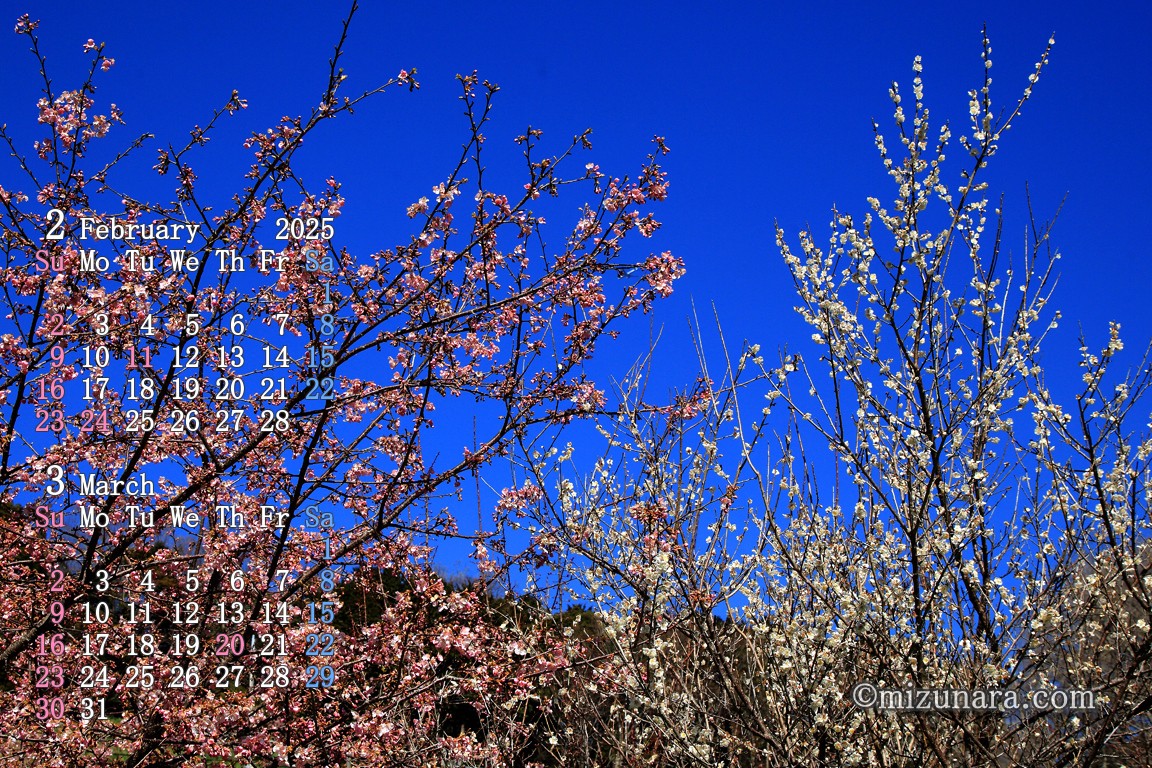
900,501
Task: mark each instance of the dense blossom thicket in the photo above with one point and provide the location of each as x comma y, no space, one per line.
900,500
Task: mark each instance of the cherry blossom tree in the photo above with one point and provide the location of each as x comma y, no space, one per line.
901,501
217,415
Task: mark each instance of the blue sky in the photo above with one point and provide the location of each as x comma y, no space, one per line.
767,111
